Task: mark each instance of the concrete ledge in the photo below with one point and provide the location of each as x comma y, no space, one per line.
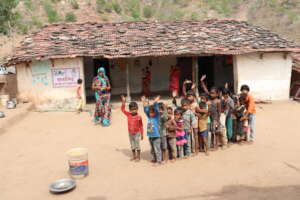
13,116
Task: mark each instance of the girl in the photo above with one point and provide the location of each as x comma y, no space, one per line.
174,81
180,133
214,109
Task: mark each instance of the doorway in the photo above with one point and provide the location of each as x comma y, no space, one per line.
218,70
186,69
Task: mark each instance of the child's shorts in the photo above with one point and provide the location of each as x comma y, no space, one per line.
79,104
203,133
134,140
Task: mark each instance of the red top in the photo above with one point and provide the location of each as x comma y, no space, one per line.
135,123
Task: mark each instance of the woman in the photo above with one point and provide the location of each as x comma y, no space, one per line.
146,82
174,81
101,86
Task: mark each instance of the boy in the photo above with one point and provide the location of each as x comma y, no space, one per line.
79,96
242,119
152,113
163,130
203,127
171,134
228,109
190,95
189,120
214,108
251,111
135,128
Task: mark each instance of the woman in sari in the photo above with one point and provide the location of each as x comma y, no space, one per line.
101,86
146,82
174,81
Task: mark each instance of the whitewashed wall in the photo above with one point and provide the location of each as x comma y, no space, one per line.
160,75
268,77
42,90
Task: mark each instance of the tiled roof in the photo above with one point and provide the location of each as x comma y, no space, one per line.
136,39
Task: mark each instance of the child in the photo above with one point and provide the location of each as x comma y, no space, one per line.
214,112
189,120
203,128
242,119
228,109
180,133
171,134
251,111
163,130
135,128
190,95
79,96
152,113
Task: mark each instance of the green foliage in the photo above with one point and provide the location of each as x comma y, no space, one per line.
223,7
36,22
293,16
52,15
148,12
8,17
117,8
28,5
74,4
194,16
70,17
100,4
133,8
181,3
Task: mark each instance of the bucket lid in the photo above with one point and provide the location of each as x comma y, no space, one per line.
77,151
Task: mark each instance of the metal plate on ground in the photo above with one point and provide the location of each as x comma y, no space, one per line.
62,185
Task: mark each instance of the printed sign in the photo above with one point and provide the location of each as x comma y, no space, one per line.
40,72
65,77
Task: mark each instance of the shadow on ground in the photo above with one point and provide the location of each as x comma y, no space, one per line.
145,155
242,192
96,198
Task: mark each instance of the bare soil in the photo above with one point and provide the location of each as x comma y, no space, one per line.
32,155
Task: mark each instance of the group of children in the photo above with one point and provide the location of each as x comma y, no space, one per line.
199,124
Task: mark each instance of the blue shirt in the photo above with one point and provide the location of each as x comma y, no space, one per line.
153,122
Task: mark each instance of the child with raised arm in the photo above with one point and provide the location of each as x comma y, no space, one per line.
135,128
152,113
202,112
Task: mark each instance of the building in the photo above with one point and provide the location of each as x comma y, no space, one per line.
50,60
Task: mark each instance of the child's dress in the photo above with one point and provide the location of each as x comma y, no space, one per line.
180,139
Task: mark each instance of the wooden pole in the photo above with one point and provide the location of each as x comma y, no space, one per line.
128,80
196,74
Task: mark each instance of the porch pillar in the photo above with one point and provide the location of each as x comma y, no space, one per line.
196,74
128,80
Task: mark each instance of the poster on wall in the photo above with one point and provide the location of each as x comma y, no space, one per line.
40,73
65,77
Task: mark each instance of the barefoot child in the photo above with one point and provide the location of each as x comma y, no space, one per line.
203,128
228,109
214,112
79,96
152,113
171,134
163,130
135,128
189,120
251,110
242,119
180,133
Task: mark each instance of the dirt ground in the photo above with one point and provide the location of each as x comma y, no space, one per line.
32,155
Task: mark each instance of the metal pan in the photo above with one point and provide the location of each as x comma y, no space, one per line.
62,185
